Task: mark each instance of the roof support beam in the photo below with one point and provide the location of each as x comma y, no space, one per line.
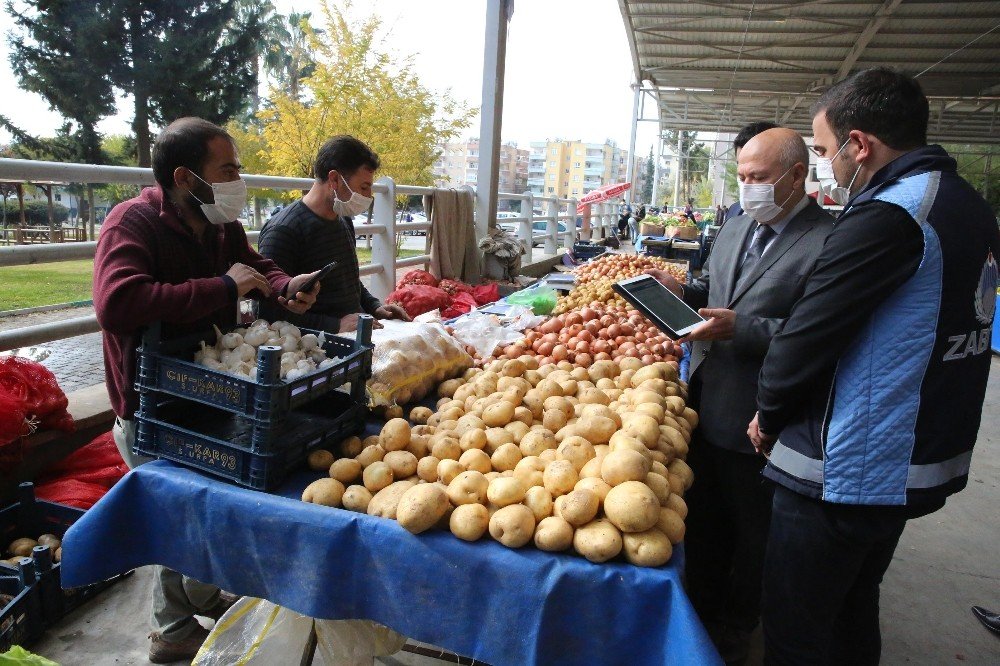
881,16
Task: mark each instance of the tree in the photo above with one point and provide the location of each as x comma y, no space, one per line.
172,57
647,185
252,149
979,165
360,88
120,150
290,54
692,158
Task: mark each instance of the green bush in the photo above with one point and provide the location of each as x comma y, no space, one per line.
36,213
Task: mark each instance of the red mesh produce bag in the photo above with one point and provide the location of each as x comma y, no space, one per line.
36,396
461,303
71,492
453,287
417,277
486,293
84,476
13,421
417,299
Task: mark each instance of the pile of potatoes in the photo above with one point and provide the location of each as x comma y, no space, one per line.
23,547
588,459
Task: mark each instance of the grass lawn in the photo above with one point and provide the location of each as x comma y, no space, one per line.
68,281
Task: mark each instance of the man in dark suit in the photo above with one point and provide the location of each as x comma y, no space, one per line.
744,135
756,273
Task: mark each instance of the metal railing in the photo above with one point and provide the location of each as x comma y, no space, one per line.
383,230
556,210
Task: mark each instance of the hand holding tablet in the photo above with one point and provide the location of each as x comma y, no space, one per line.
668,312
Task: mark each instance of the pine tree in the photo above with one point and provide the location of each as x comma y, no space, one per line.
650,172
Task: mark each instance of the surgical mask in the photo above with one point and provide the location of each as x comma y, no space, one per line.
230,200
828,181
357,204
757,200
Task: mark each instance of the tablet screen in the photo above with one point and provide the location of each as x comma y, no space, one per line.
663,304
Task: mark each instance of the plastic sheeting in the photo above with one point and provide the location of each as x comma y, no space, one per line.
478,599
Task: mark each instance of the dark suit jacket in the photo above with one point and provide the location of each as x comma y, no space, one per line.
724,373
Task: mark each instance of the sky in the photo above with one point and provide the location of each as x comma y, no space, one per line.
568,67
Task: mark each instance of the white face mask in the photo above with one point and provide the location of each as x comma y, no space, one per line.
357,204
828,181
757,200
230,200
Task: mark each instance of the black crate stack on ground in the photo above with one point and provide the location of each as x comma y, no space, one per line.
251,433
584,250
31,594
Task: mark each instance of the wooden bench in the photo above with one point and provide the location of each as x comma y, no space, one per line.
91,410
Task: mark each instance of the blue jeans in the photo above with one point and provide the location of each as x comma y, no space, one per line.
822,572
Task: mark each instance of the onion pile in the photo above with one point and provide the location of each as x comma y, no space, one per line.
594,333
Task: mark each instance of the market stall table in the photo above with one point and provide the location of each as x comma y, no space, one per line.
479,599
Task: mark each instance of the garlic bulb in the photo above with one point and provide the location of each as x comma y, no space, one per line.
327,363
259,324
245,352
309,342
206,352
305,365
212,364
290,330
256,336
276,326
241,331
294,374
317,356
292,357
289,344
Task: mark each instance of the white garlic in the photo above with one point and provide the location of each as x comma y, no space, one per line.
290,330
288,343
294,374
309,341
256,336
245,352
259,324
276,326
317,356
305,365
206,352
212,364
240,330
327,363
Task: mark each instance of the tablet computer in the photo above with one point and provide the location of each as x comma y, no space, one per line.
669,313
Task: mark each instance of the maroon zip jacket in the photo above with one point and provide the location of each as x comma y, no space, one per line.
150,267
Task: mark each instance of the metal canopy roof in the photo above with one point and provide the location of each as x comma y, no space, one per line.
716,66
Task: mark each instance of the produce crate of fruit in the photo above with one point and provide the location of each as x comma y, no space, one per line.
37,566
240,449
170,366
585,250
684,233
650,229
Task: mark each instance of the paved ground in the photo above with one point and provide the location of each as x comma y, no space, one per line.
945,563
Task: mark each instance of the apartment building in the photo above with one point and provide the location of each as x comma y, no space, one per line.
570,169
458,165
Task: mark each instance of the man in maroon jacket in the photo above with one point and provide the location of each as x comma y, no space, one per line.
174,254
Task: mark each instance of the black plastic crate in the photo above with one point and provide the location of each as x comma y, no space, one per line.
237,448
167,366
21,615
584,250
31,517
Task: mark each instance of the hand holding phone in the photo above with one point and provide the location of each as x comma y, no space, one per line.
310,284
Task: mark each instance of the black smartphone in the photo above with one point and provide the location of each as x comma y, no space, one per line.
311,282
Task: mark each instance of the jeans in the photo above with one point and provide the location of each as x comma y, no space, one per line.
822,572
176,598
727,526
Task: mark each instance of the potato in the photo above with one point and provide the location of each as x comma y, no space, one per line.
559,477
356,498
476,460
522,415
351,447
620,442
472,439
468,488
603,370
677,504
328,492
385,501
602,410
498,414
671,524
683,470
690,416
632,506
659,486
644,373
402,463
420,414
505,490
371,454
395,435
421,507
469,521
624,465
517,430
22,547
676,484
554,419
643,427
448,388
651,409
548,455
393,412
319,460
50,540
594,396
553,534
597,429
513,525
577,451
539,500
580,507
467,423
598,540
57,555
548,388
592,468
377,476
557,506
448,469
647,549
530,471
536,441
595,485
444,447
506,457
427,469
345,470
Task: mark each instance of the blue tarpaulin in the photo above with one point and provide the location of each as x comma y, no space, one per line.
478,599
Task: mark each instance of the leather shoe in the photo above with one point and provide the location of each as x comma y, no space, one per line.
162,651
225,602
989,619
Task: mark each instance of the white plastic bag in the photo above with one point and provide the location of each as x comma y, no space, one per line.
256,632
484,332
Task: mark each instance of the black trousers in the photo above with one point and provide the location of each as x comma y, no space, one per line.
727,526
824,565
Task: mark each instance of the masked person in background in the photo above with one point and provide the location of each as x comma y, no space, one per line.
319,229
756,273
177,255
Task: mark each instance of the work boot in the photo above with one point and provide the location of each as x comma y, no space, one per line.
162,651
225,602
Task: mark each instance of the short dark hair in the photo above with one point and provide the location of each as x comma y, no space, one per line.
345,154
879,101
750,131
183,143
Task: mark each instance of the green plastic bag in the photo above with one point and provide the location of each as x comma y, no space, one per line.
18,656
541,300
